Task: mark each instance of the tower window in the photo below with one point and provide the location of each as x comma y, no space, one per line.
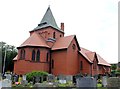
33,55
73,46
53,34
52,63
38,55
60,35
47,56
81,65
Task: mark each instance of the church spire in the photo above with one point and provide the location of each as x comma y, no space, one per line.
48,21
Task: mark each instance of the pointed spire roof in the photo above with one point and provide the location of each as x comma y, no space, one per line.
48,21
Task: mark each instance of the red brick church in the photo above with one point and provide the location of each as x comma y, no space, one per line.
47,49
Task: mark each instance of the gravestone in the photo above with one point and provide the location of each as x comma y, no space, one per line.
24,82
62,79
113,83
69,78
104,81
8,76
6,83
50,78
37,79
24,77
87,82
15,78
43,85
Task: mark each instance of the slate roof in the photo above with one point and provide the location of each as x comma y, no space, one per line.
48,21
89,55
34,40
64,42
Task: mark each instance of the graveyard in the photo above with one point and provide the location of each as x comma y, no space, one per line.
44,79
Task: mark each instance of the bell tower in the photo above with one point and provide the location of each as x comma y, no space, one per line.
48,27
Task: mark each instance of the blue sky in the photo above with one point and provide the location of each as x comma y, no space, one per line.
94,22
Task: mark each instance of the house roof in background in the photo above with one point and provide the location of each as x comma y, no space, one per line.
89,55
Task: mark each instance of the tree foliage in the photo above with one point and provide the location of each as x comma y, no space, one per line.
35,73
11,52
113,66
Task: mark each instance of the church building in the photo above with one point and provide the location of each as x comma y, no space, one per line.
47,49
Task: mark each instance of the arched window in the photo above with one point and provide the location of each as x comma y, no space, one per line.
81,65
53,34
73,46
22,54
38,55
47,56
52,63
60,35
33,55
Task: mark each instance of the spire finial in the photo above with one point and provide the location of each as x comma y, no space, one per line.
49,4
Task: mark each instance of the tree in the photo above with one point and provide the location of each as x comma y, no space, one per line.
113,66
11,52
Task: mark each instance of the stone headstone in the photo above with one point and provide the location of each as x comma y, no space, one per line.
8,76
113,83
24,77
37,79
24,82
87,82
104,81
51,78
6,83
69,78
62,81
62,77
41,85
15,78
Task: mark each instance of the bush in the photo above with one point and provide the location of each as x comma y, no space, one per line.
29,76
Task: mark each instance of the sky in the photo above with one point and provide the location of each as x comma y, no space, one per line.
94,22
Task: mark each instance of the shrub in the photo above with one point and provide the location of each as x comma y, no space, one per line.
29,76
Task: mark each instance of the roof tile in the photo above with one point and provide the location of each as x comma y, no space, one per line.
34,40
63,42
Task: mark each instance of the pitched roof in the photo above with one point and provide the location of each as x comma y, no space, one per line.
34,40
102,61
89,55
84,52
48,20
63,42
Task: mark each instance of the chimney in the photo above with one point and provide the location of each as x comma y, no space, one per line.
62,26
